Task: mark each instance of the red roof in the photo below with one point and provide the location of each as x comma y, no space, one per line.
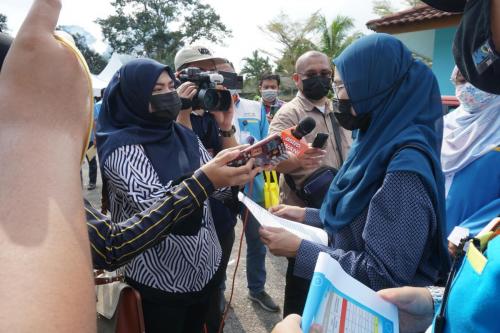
419,14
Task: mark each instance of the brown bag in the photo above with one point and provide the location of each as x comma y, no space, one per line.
119,307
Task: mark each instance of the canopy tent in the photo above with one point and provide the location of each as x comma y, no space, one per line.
102,80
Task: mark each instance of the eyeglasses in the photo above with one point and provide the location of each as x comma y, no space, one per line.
324,74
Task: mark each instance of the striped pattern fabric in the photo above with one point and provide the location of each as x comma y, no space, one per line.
179,264
115,243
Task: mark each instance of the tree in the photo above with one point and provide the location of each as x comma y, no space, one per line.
158,28
295,38
335,37
255,66
383,7
3,23
412,3
95,61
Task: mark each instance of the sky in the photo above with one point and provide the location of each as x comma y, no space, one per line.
242,17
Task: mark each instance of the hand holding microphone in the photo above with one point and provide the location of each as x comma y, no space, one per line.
307,156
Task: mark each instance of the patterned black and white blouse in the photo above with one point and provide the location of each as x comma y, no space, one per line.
178,264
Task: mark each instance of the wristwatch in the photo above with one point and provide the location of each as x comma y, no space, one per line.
227,134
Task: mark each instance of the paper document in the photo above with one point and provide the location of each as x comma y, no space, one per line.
267,219
338,303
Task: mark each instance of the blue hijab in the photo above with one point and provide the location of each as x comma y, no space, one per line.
125,120
402,95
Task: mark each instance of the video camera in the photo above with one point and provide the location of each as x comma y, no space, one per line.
208,97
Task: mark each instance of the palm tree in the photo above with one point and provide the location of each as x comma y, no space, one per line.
255,66
335,37
294,38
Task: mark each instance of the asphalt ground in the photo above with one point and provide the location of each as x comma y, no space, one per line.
244,315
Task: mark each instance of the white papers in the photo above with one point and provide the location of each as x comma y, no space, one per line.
267,219
337,302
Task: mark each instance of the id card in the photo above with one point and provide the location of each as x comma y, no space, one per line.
484,56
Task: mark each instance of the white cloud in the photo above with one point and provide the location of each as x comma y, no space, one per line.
242,17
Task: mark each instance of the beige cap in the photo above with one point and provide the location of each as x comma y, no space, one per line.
194,53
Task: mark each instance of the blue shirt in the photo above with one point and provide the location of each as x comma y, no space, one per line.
474,196
391,244
97,109
251,126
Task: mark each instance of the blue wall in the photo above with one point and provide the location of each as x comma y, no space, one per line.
443,61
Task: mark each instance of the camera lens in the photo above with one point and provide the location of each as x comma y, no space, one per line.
209,99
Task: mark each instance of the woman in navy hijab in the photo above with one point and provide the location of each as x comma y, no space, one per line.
385,208
143,153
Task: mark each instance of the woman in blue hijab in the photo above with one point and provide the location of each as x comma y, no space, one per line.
143,153
385,208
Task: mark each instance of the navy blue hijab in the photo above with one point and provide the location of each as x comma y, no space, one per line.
401,94
125,120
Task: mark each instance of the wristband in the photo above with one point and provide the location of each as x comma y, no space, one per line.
227,134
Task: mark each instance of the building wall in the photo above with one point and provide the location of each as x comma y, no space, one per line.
420,42
443,61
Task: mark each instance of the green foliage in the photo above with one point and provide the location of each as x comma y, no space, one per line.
3,23
412,3
95,61
158,28
255,66
335,36
253,69
294,37
383,7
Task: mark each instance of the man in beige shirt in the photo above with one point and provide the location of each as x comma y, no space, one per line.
313,79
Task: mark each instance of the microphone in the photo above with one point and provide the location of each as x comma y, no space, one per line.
305,127
293,137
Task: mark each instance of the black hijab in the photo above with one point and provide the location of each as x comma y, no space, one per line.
125,120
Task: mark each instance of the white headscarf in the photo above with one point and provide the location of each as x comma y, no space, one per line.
470,131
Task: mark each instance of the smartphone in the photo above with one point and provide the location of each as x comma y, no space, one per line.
320,140
270,151
273,110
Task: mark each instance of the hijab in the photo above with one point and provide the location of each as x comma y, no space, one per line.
472,130
403,98
125,120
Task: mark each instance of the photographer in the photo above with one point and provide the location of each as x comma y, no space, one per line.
216,131
251,126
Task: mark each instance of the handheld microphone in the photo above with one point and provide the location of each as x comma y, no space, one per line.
293,137
305,127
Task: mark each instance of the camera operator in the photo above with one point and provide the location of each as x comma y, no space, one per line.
216,131
252,126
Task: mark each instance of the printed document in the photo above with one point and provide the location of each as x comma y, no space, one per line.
267,219
338,303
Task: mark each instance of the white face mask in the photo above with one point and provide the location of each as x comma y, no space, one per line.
471,98
269,95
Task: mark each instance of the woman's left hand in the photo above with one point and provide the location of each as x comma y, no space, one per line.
280,241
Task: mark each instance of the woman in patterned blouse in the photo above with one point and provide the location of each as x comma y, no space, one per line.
385,209
143,153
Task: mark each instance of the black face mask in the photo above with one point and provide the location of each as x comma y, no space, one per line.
166,106
346,119
316,87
